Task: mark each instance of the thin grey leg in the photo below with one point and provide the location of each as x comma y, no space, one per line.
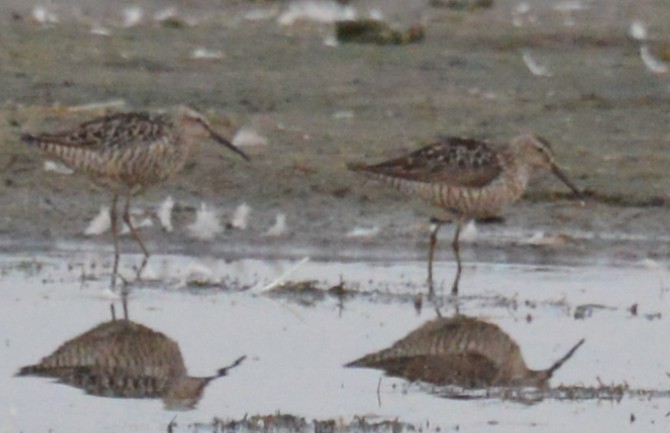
457,252
431,253
115,238
124,303
135,235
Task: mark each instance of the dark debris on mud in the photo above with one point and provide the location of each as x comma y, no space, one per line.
290,423
602,392
281,423
312,292
309,292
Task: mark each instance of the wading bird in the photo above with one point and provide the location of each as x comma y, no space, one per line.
468,179
128,152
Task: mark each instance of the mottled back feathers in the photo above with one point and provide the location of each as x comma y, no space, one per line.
116,131
458,162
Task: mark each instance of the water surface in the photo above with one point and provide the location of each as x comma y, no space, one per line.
296,343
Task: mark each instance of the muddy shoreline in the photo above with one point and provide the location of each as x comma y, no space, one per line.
320,107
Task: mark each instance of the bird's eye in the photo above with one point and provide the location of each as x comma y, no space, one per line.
197,119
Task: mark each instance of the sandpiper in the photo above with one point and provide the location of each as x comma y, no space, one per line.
128,152
468,179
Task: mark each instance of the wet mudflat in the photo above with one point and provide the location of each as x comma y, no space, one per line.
297,337
317,107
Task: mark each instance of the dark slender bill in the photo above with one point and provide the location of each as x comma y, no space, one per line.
228,144
223,371
562,361
559,174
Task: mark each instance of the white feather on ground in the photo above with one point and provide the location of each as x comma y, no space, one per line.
363,232
469,232
206,225
240,218
197,273
534,67
648,263
146,221
100,223
165,14
41,15
202,53
376,14
344,114
653,64
131,16
331,41
57,167
100,30
109,294
520,11
313,10
541,238
164,213
246,136
151,272
279,227
637,30
568,8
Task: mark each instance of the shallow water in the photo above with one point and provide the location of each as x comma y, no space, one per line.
297,342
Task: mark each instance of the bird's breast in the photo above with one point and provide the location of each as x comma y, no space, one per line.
487,201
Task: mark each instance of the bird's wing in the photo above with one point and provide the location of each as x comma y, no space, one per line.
459,162
113,131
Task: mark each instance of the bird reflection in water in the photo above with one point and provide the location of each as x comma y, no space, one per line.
124,359
460,351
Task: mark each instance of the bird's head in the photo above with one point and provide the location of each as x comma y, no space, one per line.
536,153
195,126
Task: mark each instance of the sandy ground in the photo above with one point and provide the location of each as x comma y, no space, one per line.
320,107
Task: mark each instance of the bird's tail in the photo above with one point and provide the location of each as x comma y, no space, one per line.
357,166
30,138
376,359
33,370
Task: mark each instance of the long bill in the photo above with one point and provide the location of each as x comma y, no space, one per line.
563,178
550,371
227,143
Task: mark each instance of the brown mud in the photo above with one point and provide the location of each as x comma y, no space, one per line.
320,107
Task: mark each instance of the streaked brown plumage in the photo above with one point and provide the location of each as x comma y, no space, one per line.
460,351
467,179
126,360
129,152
